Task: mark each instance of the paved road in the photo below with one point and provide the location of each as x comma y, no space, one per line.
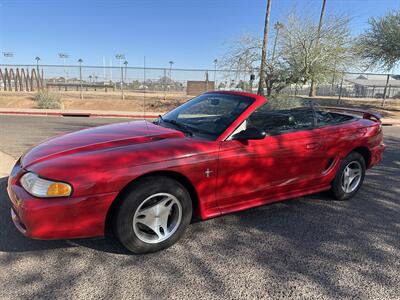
18,133
309,247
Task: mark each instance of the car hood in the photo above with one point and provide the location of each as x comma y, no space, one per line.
98,138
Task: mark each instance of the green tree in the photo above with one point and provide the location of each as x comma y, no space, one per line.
313,53
244,54
379,45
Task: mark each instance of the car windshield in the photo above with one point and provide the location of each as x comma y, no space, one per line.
207,115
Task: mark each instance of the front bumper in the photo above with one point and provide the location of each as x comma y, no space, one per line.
57,218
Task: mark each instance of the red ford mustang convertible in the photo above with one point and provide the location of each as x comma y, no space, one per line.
218,153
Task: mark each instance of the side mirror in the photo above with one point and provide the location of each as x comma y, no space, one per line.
251,133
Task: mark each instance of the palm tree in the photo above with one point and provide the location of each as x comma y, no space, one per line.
312,87
264,51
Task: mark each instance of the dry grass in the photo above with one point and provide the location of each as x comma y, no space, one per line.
99,100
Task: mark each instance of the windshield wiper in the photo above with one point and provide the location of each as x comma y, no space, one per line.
179,125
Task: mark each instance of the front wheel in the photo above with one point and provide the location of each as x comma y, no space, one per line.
349,177
153,215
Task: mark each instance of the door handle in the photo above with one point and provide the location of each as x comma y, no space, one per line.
312,146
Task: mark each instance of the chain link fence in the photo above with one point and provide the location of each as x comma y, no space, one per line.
153,84
368,86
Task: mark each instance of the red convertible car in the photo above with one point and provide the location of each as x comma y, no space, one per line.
218,153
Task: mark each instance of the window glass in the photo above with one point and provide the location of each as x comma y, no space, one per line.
208,115
283,115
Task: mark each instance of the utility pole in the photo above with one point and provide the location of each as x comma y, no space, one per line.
80,76
321,17
264,51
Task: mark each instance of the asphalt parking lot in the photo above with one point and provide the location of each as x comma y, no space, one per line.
310,247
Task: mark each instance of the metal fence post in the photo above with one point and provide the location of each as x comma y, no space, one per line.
341,88
384,91
206,80
164,85
80,77
122,84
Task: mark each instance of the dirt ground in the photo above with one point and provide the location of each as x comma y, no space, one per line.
155,101
162,102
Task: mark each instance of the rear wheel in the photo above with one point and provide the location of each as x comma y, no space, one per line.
349,177
153,215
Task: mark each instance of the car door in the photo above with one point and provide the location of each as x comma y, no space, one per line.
252,172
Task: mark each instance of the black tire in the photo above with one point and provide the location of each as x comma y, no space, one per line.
141,190
337,190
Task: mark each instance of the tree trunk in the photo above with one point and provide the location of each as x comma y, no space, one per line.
269,91
312,89
264,51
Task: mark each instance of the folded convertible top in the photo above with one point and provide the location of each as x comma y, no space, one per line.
366,114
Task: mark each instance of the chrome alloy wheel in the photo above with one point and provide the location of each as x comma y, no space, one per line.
351,177
157,218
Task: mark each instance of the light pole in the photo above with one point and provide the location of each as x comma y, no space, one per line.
170,69
126,69
80,76
64,56
215,73
37,58
122,79
8,54
120,57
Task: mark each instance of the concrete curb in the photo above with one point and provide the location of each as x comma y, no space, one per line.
6,164
390,122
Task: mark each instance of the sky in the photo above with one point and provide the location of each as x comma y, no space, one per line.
192,33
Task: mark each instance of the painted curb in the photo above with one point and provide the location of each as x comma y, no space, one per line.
77,114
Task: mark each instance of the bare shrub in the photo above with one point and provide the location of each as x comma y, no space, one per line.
48,100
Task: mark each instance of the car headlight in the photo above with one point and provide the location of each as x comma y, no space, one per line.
40,187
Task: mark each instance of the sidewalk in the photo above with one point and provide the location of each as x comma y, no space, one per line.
115,114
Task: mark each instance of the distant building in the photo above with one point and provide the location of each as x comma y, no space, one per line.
373,86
